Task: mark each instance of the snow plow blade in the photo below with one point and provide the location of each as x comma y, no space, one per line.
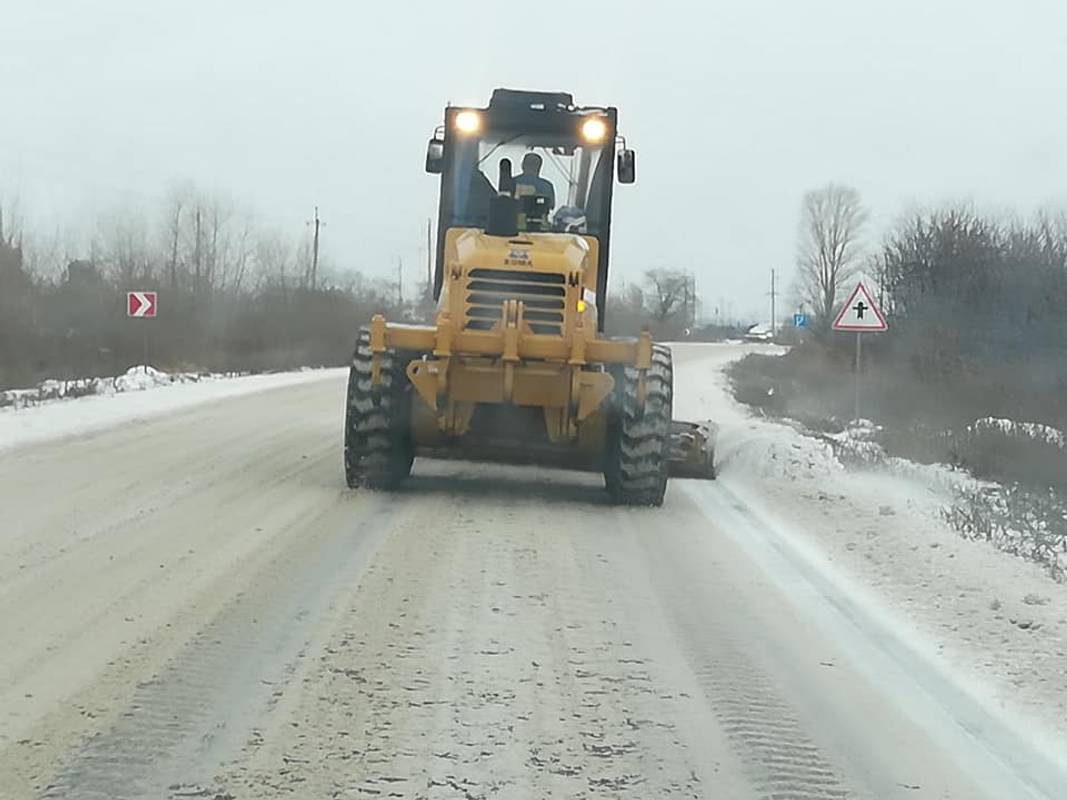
693,450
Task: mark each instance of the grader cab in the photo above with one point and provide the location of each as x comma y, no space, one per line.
516,368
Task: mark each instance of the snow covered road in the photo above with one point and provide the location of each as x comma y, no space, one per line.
195,606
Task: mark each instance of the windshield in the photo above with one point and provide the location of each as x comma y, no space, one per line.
561,185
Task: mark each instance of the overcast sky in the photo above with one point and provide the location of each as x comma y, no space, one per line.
734,107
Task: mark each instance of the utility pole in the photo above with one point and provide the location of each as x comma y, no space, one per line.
690,301
196,253
173,248
399,280
685,300
315,249
773,310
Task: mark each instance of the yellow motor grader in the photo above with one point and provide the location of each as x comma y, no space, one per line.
516,368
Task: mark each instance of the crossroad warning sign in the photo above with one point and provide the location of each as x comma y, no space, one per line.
860,313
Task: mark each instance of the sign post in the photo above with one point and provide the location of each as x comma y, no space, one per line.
141,305
859,368
862,315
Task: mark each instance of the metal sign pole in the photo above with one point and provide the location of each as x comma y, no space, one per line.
859,363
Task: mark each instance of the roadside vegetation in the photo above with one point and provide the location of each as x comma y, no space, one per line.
972,373
234,295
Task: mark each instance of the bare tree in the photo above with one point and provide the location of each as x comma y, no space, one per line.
241,252
47,257
273,255
304,261
668,292
175,206
122,239
828,253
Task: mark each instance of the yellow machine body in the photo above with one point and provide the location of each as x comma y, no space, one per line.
515,327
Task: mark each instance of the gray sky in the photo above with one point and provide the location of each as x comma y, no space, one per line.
735,108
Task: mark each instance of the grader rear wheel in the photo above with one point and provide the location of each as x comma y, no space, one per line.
378,448
639,443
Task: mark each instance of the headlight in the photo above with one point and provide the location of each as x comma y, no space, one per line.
468,121
594,129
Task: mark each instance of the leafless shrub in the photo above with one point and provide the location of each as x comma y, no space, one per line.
1025,523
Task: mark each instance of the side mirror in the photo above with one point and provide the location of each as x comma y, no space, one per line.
626,166
435,156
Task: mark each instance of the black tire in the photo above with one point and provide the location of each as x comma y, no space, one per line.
378,447
639,439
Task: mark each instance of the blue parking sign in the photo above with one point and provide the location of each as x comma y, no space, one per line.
800,320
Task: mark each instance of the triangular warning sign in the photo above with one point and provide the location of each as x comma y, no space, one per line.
860,313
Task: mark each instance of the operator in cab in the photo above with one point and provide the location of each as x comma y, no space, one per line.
530,181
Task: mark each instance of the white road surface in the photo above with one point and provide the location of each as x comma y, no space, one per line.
195,606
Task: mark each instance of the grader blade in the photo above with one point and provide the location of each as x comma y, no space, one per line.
693,449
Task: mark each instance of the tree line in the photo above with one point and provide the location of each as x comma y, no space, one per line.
978,285
233,295
993,284
976,302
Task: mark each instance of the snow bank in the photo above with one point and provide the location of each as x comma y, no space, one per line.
57,409
136,378
744,443
778,452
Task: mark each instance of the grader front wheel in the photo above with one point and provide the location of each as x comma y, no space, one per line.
378,447
639,443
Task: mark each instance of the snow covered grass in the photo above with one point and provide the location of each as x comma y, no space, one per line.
1020,521
1004,481
134,379
1029,431
57,409
1024,521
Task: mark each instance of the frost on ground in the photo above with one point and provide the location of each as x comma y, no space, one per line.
56,409
882,521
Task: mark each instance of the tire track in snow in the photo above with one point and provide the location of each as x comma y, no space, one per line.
186,720
780,759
